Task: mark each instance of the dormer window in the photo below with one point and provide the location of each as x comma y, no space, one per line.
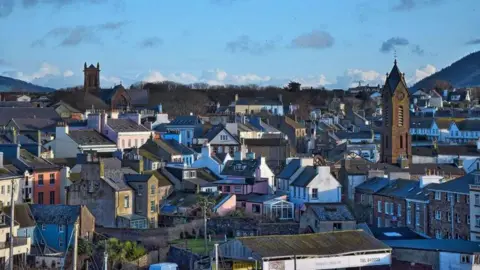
238,167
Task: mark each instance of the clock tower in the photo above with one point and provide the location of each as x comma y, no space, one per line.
396,140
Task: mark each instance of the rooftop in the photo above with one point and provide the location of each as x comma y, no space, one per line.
55,214
445,245
331,211
90,137
125,125
320,244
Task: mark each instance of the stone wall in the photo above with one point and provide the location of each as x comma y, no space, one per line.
236,227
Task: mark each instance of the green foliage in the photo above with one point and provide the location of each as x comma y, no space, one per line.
120,252
85,247
206,203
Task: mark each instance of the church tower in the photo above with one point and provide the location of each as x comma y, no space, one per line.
396,140
91,77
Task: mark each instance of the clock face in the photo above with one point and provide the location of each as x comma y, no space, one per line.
400,96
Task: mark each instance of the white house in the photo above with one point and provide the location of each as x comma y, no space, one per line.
426,127
464,131
315,185
293,168
206,160
219,139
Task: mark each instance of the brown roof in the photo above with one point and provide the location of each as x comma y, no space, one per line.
23,215
321,244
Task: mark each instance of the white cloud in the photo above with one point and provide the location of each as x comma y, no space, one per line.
45,69
68,73
422,73
352,77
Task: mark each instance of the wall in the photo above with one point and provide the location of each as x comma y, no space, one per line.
421,225
308,218
120,204
63,146
460,208
46,187
452,261
52,236
228,206
387,220
143,199
417,256
87,223
137,139
6,189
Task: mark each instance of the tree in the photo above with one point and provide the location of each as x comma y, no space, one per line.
294,86
116,252
206,203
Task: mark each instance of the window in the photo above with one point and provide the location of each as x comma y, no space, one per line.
61,228
136,143
457,218
43,227
223,137
126,201
449,197
417,218
152,189
477,199
314,193
399,210
477,221
337,226
438,215
409,215
401,141
449,216
227,188
379,222
129,142
40,198
52,179
400,116
468,219
362,198
3,189
465,259
438,196
379,206
123,143
438,234
152,206
60,241
256,208
26,180
8,189
40,179
467,198
52,197
387,210
237,189
316,223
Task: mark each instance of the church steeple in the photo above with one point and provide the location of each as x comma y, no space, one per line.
396,141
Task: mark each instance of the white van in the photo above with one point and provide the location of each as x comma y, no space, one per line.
163,266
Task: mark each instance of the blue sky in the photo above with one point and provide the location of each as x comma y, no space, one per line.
335,43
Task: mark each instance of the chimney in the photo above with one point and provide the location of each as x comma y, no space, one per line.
160,108
236,97
403,162
114,114
280,98
14,136
61,129
430,179
1,159
206,150
458,161
250,155
102,168
323,170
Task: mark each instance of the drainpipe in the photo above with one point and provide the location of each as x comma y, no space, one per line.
451,215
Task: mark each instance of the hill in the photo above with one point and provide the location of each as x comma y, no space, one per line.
463,73
8,84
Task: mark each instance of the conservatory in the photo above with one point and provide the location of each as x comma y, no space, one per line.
278,208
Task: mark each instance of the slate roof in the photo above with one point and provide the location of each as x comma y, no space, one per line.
81,101
244,168
394,78
305,177
290,169
365,135
190,120
173,147
361,167
36,163
450,150
221,156
445,245
331,211
257,198
468,125
323,244
399,188
458,185
373,185
137,177
33,124
55,213
139,97
215,130
125,125
21,104
22,213
89,137
401,233
424,123
8,113
116,177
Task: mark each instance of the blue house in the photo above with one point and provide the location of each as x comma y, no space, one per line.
189,127
55,225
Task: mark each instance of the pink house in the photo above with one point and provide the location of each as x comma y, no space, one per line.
273,206
125,130
226,205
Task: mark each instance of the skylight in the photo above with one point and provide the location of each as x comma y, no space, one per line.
392,234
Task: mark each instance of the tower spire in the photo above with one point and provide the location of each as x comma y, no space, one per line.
395,57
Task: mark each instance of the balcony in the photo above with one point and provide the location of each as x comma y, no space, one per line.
21,245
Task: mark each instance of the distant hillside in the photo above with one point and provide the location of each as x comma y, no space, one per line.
8,84
463,73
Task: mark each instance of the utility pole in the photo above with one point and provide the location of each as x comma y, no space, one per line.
105,257
12,222
205,225
75,246
216,256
